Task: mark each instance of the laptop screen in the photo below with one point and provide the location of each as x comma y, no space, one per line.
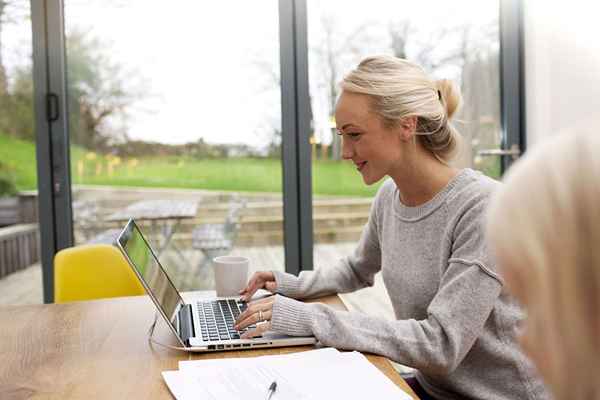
155,279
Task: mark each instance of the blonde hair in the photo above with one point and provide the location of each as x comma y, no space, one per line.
402,89
544,224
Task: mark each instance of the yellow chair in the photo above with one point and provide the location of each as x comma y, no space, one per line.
91,272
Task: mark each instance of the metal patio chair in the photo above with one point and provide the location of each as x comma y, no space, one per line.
216,239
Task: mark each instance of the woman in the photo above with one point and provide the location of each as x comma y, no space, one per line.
425,235
544,225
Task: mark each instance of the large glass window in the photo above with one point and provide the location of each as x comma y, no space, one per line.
20,272
174,116
457,40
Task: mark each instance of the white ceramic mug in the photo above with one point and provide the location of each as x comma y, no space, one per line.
231,274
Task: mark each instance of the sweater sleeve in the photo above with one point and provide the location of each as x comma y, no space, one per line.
351,273
435,345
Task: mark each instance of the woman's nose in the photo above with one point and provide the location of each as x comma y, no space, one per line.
347,149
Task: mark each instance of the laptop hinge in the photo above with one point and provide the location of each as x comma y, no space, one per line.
186,324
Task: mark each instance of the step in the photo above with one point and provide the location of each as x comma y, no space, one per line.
275,237
251,224
253,207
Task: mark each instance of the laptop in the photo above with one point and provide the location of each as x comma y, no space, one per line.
203,325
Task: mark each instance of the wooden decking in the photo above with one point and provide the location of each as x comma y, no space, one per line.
19,248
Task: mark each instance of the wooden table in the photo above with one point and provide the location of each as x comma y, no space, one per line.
99,349
156,210
165,217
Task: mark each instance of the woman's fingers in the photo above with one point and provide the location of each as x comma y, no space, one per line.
262,279
255,307
254,312
252,286
271,286
254,319
251,283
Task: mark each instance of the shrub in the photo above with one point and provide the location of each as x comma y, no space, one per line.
7,183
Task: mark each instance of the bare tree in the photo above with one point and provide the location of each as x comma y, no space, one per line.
399,32
3,80
336,51
10,12
16,115
478,77
268,84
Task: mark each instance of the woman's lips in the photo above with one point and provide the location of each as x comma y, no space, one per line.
360,165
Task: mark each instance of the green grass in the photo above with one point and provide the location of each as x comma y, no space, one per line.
233,174
19,157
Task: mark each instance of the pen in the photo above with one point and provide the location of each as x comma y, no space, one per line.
272,389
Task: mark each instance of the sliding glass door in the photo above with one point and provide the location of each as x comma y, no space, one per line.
458,41
175,120
20,272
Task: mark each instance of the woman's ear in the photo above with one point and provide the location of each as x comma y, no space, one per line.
408,127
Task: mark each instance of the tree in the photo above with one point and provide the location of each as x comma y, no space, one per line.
10,12
98,96
477,60
100,92
267,88
332,56
3,80
328,58
16,118
399,31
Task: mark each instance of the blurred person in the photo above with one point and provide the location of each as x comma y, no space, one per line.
544,227
454,323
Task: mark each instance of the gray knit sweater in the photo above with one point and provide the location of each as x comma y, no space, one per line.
454,323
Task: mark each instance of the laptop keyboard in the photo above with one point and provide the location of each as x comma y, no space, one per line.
217,318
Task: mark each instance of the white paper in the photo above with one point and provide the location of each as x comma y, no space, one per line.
181,388
317,374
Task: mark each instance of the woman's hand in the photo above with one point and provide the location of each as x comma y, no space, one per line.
258,312
260,280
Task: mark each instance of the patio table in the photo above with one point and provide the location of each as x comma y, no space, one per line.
165,217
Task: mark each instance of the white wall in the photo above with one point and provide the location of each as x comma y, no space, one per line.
562,66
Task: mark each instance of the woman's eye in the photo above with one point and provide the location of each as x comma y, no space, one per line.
351,135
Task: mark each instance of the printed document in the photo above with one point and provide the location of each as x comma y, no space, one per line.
317,374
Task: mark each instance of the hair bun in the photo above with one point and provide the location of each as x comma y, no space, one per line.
451,96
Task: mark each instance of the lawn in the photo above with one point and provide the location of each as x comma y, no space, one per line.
231,174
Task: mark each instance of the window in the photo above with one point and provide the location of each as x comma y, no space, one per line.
458,41
20,272
175,119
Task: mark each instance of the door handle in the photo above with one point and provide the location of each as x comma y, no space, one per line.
514,152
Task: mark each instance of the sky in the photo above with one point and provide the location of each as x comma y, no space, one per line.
199,59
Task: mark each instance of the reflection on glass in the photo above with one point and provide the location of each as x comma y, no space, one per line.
148,268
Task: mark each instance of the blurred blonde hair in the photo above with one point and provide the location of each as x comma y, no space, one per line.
544,226
400,88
